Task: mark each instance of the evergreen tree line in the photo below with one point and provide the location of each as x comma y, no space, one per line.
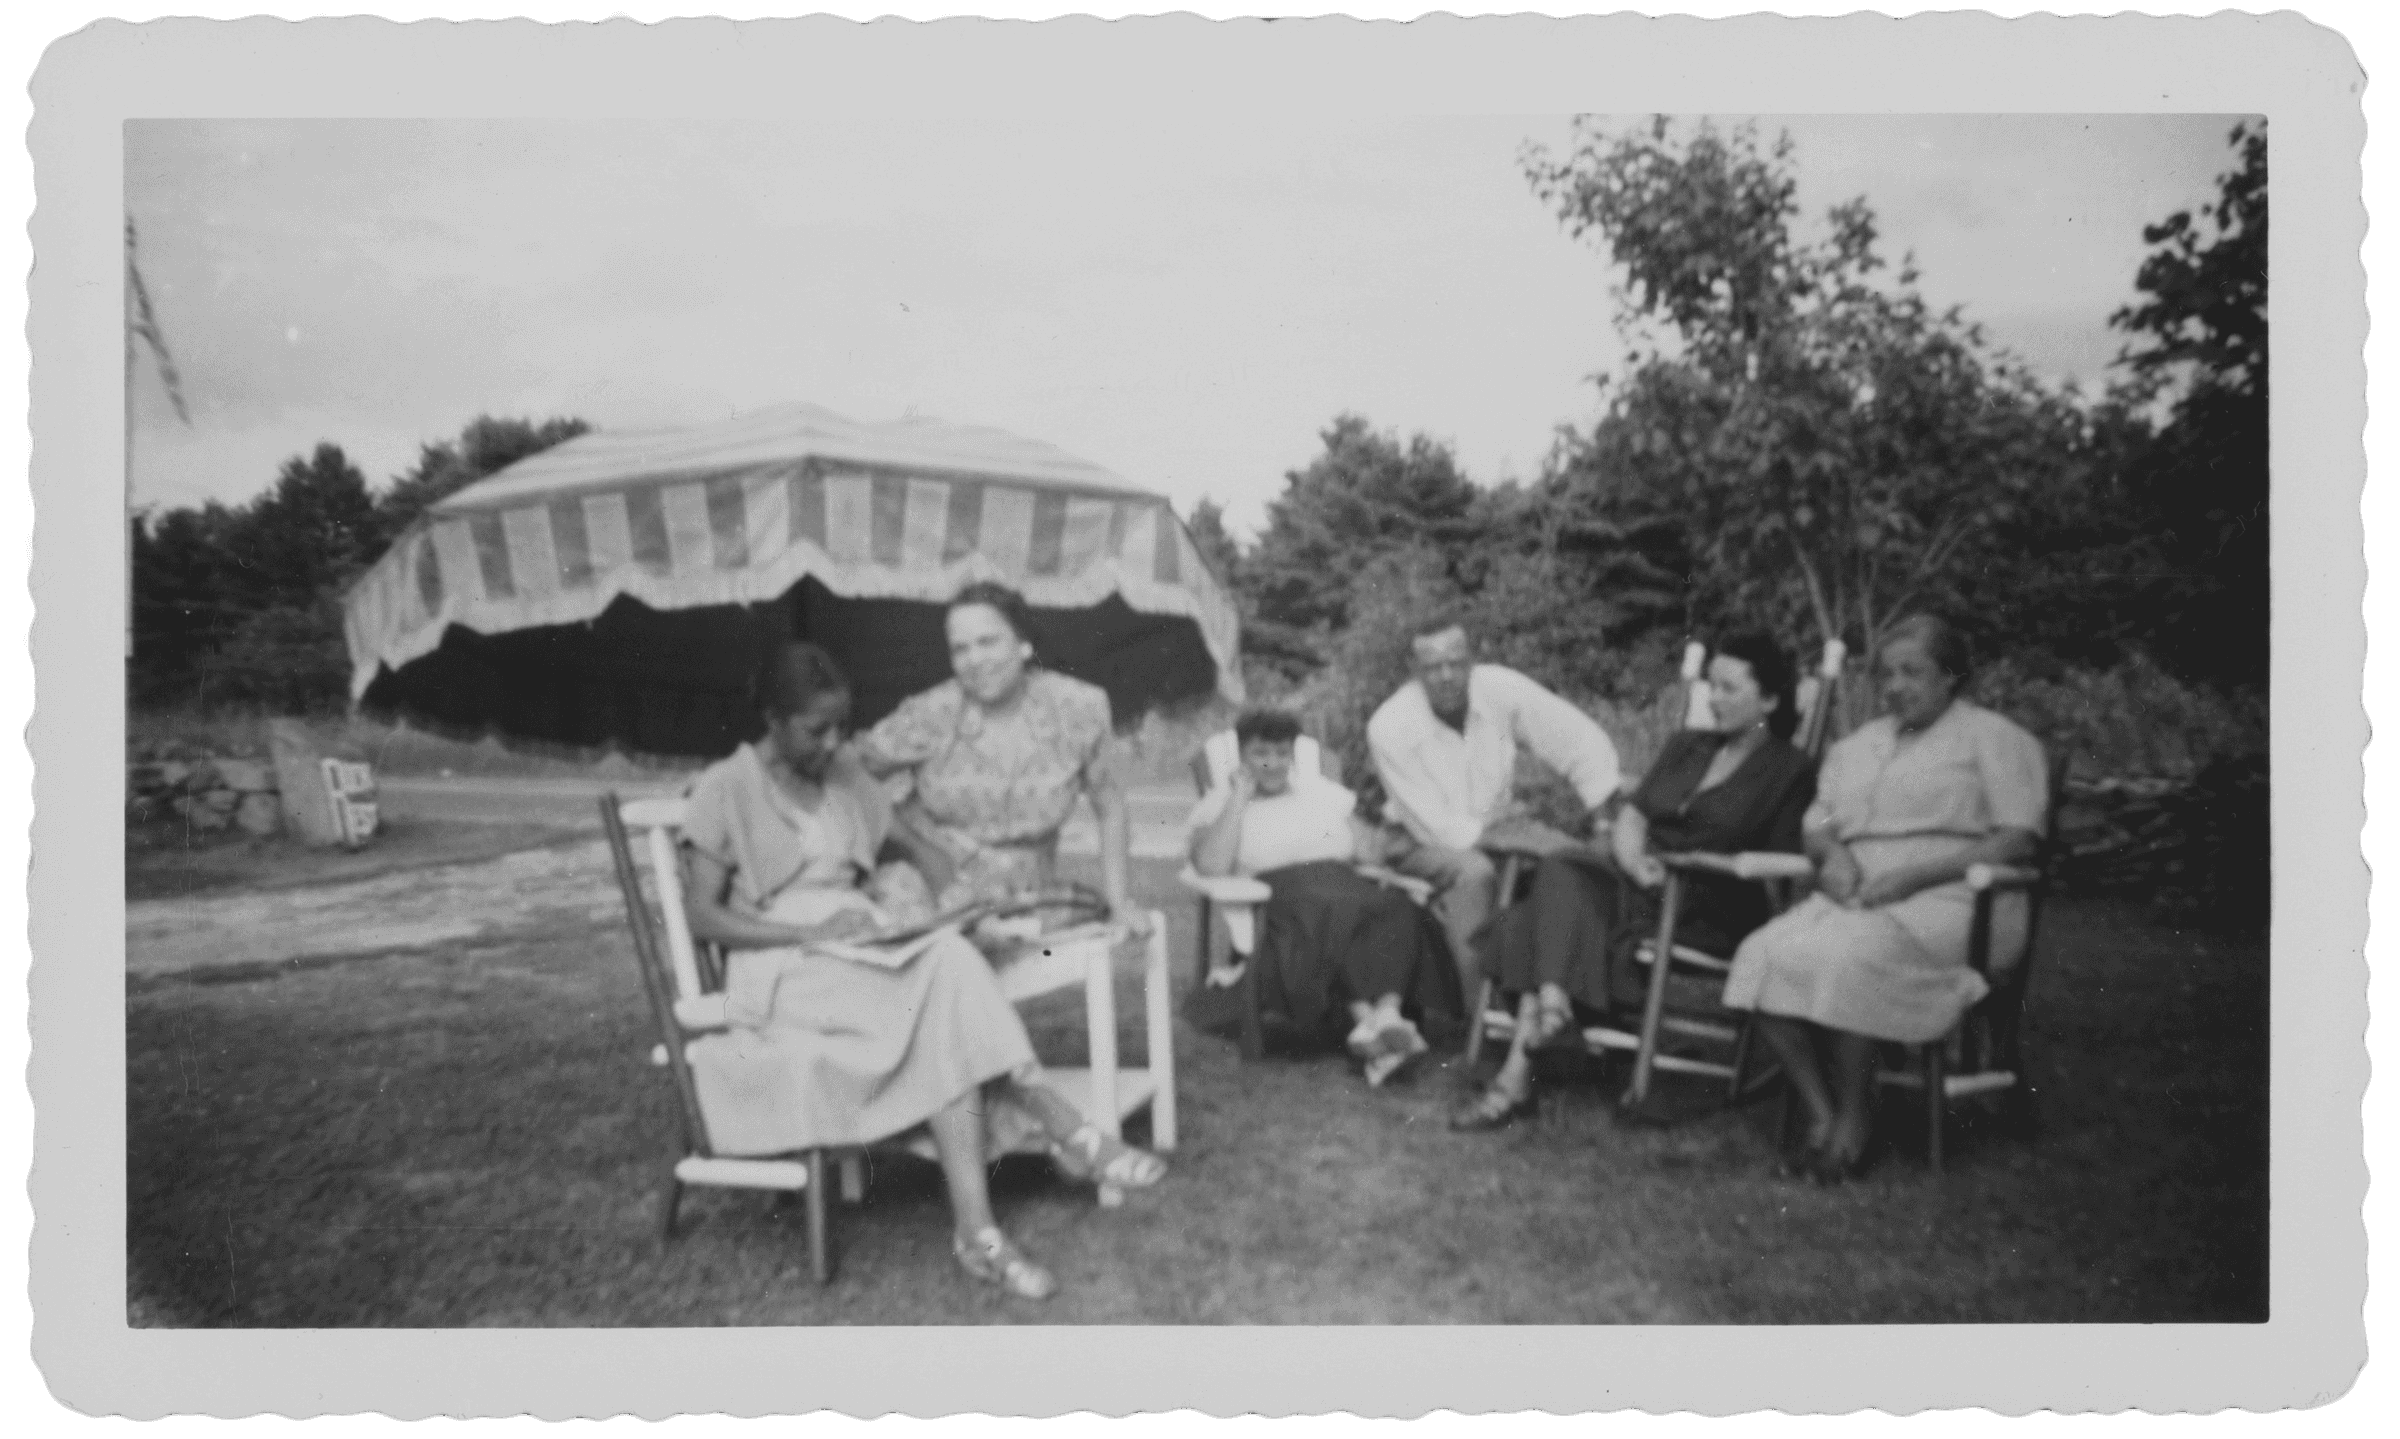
1800,440
239,607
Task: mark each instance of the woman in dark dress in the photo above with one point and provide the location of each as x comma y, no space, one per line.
1570,945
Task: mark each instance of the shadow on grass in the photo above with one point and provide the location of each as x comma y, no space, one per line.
478,1139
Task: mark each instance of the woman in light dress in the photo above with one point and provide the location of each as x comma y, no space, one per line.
782,840
1333,944
1905,806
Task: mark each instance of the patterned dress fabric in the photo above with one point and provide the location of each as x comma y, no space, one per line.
993,788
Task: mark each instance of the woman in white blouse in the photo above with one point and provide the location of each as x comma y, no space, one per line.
1333,943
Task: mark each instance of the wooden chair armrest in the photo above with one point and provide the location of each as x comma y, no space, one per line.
1524,839
1982,877
1226,888
1750,864
1416,889
701,1012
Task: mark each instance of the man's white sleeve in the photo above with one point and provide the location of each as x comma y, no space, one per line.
1565,738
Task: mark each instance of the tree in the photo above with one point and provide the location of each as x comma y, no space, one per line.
243,605
315,530
445,467
1366,495
1217,549
1827,446
2202,486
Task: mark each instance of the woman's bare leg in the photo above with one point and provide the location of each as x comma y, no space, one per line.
1516,1071
958,1140
1854,1073
1058,1118
1795,1044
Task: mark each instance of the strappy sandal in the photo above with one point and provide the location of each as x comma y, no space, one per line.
1095,1158
1550,1020
990,1257
1495,1108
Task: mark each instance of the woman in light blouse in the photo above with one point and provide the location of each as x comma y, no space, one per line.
1333,943
1905,806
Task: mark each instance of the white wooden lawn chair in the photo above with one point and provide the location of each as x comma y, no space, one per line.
686,988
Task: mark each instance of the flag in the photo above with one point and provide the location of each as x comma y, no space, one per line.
143,323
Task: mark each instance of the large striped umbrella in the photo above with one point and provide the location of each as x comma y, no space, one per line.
619,588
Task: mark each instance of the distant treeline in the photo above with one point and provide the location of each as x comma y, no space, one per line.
239,607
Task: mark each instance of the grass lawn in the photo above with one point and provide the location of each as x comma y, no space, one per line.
475,1137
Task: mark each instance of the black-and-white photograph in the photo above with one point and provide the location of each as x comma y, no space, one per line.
1552,719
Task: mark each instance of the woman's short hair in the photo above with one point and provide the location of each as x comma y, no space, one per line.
1007,603
795,676
1771,669
1269,726
1945,644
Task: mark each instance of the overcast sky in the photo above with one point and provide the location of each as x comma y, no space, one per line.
1186,303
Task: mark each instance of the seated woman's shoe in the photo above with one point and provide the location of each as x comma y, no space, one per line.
990,1257
1825,1166
1395,1047
1095,1158
1495,1108
1553,1017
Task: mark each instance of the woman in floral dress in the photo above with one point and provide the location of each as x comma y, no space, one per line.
997,757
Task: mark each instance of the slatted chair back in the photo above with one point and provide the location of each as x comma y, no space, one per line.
660,980
1983,1055
685,982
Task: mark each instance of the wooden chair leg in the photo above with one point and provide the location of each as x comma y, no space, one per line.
1741,1061
1935,1104
670,1200
1254,1025
1204,941
1654,1003
819,1261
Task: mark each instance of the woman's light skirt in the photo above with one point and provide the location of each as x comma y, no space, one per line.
1897,973
830,1052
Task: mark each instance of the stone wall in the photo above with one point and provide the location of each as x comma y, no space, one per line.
204,792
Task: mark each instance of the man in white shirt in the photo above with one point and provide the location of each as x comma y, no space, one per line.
1446,747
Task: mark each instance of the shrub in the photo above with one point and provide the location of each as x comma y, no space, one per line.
2132,719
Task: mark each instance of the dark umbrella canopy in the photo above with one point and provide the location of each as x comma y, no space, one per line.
677,682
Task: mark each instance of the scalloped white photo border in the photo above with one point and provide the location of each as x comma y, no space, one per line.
2302,76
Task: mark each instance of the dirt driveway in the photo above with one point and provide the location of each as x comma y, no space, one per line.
556,873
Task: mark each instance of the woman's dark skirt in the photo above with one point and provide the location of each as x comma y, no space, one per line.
1583,921
1330,936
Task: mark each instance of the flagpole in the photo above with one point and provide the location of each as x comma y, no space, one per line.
128,320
